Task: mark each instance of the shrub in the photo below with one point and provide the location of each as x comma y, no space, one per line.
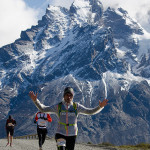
107,144
143,145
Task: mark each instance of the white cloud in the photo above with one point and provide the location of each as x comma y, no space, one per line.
15,17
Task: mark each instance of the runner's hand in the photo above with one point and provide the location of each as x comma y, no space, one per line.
33,96
103,103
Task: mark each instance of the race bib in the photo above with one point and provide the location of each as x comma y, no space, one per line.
10,124
42,123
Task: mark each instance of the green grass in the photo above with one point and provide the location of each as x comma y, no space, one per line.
141,146
106,144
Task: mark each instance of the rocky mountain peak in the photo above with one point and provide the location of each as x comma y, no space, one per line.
89,11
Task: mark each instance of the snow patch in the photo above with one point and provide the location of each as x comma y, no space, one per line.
120,53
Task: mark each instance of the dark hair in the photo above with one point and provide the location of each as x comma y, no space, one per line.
68,90
10,117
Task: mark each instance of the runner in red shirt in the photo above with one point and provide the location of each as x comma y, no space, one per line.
42,119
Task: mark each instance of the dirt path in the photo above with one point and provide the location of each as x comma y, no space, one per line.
23,144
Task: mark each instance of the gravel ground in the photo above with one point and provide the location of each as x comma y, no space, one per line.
23,144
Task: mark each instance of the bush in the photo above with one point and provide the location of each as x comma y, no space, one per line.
107,144
143,145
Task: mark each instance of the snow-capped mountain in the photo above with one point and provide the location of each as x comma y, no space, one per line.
101,54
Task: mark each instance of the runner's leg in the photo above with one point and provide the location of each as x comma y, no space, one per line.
44,135
61,142
61,148
11,139
11,136
39,136
8,134
70,142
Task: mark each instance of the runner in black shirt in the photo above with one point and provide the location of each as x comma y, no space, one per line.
10,124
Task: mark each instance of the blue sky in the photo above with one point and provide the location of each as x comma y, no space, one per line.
19,15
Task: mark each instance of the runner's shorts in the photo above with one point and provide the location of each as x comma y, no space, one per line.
10,130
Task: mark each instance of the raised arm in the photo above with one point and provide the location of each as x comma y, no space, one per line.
92,111
40,106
